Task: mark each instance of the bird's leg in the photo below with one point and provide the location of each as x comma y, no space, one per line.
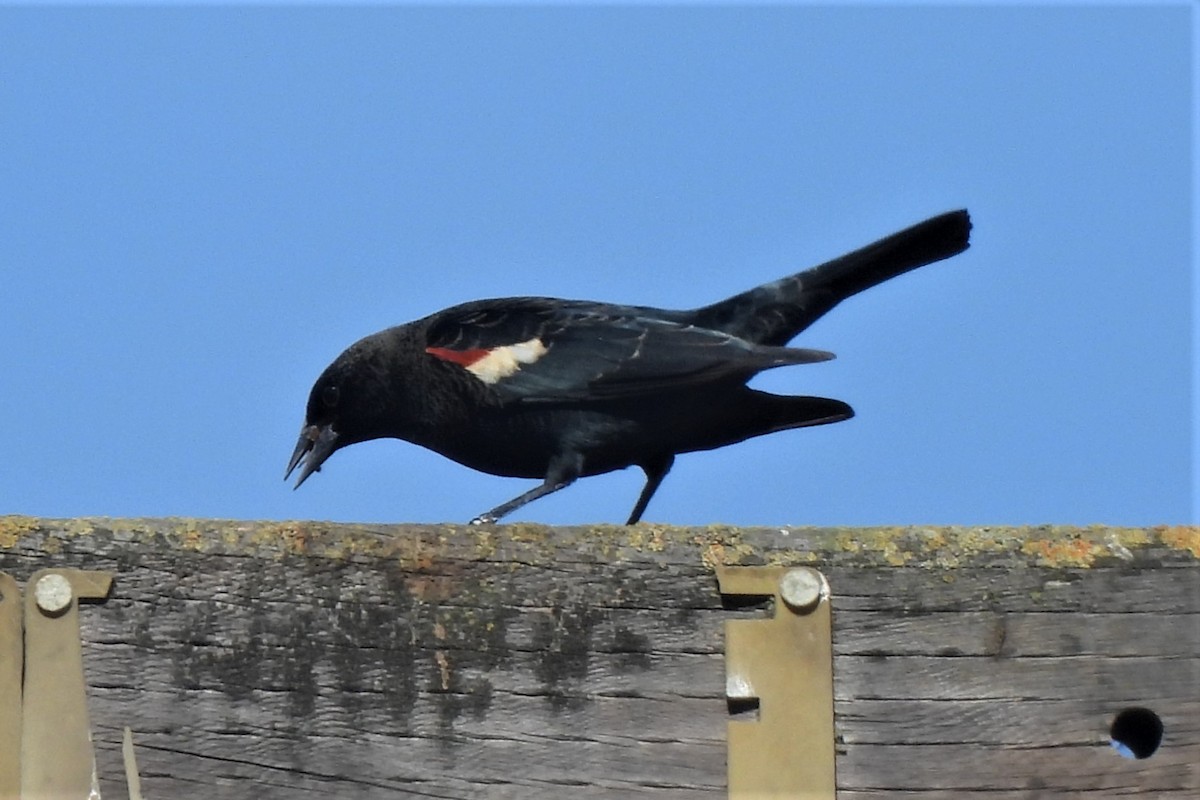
504,509
560,475
655,472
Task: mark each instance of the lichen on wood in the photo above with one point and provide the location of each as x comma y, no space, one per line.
276,658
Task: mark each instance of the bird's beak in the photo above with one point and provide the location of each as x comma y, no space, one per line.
316,444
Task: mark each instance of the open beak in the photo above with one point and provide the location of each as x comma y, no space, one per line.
316,444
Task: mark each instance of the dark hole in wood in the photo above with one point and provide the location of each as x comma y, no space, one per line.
759,605
1136,732
743,708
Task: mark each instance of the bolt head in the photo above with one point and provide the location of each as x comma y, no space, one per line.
53,593
802,589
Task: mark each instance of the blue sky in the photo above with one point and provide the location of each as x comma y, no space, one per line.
201,207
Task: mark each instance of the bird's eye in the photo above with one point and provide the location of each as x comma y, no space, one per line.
329,396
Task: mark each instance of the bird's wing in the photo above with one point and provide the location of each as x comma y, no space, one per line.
540,349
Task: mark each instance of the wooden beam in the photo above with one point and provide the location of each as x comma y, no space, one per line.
284,660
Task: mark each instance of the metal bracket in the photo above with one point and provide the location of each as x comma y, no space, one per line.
785,662
45,738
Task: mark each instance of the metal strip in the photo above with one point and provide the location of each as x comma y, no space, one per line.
57,762
786,663
12,659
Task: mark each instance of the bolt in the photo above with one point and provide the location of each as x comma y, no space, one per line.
53,593
802,589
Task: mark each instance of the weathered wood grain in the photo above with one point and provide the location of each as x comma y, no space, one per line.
284,660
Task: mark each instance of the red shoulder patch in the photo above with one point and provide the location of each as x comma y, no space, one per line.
464,358
496,364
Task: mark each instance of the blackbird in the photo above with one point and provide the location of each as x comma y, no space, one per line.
537,387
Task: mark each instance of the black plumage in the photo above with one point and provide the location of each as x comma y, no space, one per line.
536,387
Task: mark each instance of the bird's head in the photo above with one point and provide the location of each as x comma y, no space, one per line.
345,406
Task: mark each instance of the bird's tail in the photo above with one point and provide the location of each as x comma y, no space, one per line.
775,312
758,413
788,411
